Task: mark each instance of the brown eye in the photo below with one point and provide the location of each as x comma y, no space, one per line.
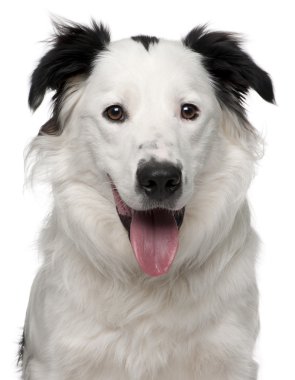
189,111
115,113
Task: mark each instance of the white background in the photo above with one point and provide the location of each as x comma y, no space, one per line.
268,27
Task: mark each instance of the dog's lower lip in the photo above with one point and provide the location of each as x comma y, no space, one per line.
125,212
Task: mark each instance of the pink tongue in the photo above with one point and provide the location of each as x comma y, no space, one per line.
154,239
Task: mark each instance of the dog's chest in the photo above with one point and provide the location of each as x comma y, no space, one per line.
140,338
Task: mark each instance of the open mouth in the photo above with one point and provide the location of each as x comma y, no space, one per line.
154,235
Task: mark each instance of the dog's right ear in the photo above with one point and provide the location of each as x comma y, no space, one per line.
74,49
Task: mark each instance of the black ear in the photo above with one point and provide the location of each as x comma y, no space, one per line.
232,70
74,49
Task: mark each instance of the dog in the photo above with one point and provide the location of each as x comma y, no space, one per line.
148,253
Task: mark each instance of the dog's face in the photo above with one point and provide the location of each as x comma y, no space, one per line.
152,114
149,113
158,109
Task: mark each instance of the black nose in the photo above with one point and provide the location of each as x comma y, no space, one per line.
158,180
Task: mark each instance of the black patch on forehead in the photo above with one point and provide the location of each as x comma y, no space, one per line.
146,40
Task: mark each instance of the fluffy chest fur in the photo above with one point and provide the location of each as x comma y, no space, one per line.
144,329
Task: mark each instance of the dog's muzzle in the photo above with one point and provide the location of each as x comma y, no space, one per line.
154,231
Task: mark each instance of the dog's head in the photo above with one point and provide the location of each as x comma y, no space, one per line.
152,115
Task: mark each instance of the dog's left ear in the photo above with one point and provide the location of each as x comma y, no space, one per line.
232,69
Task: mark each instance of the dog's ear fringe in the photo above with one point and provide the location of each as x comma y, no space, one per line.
74,48
232,70
42,162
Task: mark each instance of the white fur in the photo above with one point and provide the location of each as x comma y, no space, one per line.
93,314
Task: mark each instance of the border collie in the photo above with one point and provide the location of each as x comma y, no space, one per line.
149,256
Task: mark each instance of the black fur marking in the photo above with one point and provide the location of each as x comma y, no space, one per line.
50,128
74,49
21,348
146,41
232,70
